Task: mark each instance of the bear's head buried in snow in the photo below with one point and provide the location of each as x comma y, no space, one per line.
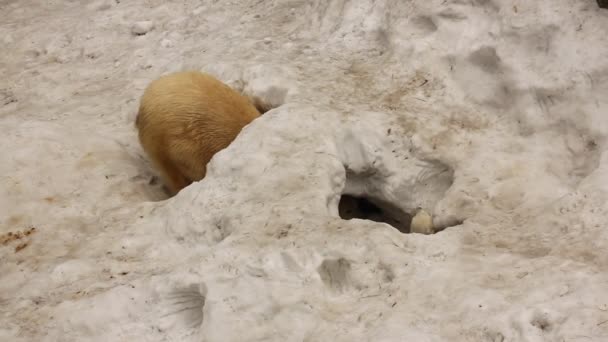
184,119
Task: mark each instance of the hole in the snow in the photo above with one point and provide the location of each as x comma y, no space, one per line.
266,97
261,106
188,304
264,104
373,209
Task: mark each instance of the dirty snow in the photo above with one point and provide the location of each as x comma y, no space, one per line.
490,115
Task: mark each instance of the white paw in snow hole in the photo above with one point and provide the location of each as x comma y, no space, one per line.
373,209
404,205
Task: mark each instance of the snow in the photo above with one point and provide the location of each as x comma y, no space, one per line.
489,115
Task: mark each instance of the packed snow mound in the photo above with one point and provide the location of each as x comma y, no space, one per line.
487,116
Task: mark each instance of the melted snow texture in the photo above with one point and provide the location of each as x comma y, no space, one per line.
487,112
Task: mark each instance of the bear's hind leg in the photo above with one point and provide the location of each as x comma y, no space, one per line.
172,176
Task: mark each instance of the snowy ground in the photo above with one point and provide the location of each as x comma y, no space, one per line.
491,113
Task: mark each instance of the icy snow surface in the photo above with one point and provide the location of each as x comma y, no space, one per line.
491,115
